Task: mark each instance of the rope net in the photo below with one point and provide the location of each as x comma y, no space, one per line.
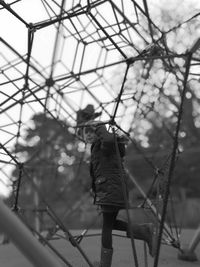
127,63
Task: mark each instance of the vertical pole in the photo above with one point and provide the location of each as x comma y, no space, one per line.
36,204
173,158
125,189
145,255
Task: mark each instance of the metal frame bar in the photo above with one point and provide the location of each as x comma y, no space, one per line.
188,254
24,240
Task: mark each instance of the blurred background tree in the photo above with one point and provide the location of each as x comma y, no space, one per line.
158,86
53,163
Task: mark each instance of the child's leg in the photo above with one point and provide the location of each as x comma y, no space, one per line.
106,238
143,232
108,224
120,225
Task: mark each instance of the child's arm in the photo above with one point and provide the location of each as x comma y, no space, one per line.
108,141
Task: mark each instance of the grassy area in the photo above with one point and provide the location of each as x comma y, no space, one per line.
122,257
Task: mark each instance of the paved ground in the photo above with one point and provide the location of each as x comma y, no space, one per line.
123,256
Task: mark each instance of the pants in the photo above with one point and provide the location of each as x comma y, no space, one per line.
111,223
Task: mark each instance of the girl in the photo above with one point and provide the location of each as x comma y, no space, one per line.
107,172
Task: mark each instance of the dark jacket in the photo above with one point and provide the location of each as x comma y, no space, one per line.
105,171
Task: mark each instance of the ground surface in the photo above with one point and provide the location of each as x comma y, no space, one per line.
123,256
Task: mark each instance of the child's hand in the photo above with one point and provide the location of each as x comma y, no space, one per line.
100,129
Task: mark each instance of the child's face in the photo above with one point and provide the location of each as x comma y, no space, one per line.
89,135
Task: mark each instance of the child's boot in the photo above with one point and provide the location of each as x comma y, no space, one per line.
106,258
146,233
